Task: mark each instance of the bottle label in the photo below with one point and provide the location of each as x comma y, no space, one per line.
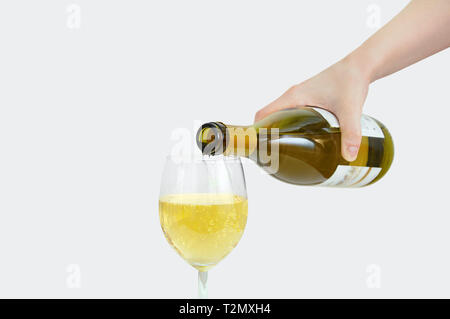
369,127
352,176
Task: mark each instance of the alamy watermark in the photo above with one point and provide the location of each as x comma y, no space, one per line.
373,279
73,279
73,20
258,144
373,20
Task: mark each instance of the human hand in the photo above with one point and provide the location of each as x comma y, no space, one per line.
341,89
418,31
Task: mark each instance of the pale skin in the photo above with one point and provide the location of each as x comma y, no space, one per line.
421,29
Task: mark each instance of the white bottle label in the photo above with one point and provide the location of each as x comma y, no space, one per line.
352,176
369,126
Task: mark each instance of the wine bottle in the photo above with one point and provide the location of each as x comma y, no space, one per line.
302,146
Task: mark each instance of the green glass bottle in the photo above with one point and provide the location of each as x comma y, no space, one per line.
302,146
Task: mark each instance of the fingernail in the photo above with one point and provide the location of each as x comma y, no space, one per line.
352,152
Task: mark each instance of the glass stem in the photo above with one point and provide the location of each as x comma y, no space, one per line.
202,289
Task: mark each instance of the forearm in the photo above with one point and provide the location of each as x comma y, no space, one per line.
420,30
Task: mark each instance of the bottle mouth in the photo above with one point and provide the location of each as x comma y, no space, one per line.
211,138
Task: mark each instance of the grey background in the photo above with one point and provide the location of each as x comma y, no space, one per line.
87,112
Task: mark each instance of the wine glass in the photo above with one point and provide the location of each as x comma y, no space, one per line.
203,210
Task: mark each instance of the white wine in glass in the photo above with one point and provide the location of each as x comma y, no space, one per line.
203,210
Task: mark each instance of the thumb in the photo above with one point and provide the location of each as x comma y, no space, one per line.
288,99
350,123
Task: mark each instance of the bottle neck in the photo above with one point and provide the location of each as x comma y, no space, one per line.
215,138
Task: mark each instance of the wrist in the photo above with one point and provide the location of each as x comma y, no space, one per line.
362,65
